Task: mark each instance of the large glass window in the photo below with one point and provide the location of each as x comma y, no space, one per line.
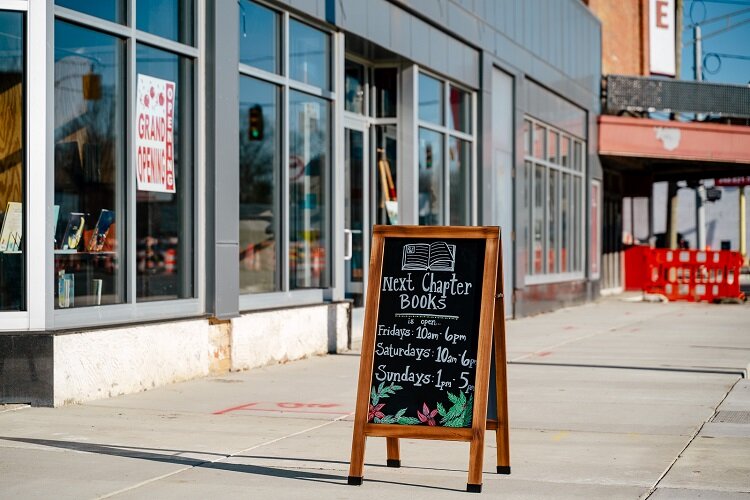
446,153
430,178
103,206
354,87
309,55
385,82
12,153
164,220
554,175
285,152
309,158
172,19
259,36
89,157
431,102
260,170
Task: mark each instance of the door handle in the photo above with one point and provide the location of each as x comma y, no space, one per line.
347,244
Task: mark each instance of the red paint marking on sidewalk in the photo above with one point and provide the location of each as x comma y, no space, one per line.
569,327
234,408
543,354
283,406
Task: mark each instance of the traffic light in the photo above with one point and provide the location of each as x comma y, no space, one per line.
255,122
428,156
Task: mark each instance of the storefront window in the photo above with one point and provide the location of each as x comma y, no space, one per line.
430,99
354,87
385,81
309,55
260,168
164,206
557,204
259,36
445,197
111,10
460,110
89,158
172,19
309,164
386,140
460,176
430,178
12,153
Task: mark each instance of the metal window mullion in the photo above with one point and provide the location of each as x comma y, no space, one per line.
446,181
109,27
247,70
545,219
558,222
14,5
167,44
131,75
285,195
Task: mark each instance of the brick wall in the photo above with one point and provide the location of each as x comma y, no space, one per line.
624,27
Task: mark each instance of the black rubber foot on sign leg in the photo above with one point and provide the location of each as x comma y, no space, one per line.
473,488
355,481
503,469
392,462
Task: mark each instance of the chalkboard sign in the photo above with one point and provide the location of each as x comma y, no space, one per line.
427,332
434,299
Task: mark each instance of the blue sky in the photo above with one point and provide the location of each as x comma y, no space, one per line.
735,41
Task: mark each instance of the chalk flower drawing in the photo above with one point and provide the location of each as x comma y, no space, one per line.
375,414
427,416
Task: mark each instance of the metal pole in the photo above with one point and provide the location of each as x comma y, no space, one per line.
743,225
700,217
672,204
698,54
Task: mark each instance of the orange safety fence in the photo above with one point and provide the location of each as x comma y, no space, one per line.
693,275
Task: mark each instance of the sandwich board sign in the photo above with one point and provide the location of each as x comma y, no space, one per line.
433,312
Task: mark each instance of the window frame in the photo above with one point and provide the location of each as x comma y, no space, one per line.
576,211
33,223
447,132
286,296
131,310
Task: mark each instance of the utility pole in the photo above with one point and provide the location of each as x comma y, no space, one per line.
700,190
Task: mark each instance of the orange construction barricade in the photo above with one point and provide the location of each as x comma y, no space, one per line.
694,275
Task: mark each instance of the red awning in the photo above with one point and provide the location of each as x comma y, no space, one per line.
673,140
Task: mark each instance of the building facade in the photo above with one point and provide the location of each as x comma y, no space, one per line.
189,186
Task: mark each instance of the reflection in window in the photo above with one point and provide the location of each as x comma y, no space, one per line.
460,110
88,212
537,219
309,164
12,251
354,87
430,99
565,227
430,178
260,167
386,92
309,55
527,167
540,141
164,220
111,10
259,36
554,137
460,185
552,222
386,174
171,19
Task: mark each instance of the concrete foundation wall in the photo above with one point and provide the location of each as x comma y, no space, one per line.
106,363
270,337
100,364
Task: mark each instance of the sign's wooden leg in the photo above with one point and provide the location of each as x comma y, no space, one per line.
357,463
503,450
394,457
476,458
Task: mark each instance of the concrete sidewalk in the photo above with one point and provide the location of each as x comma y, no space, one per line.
609,400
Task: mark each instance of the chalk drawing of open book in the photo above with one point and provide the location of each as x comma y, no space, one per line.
436,256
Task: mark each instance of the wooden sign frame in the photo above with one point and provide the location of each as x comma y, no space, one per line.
491,331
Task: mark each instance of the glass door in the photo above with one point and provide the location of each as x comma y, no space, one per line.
356,216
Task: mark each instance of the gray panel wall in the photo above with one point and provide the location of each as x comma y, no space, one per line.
555,42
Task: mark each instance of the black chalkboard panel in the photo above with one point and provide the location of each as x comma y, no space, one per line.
427,331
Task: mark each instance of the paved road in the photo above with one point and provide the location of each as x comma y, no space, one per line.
609,400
